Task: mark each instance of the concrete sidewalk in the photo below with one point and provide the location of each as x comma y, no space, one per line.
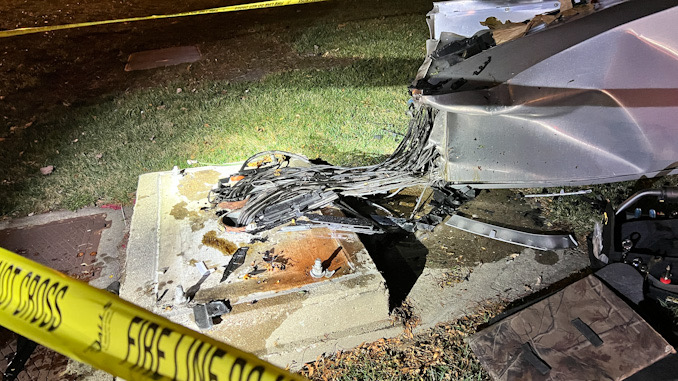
88,244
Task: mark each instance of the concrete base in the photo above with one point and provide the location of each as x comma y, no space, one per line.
280,314
497,281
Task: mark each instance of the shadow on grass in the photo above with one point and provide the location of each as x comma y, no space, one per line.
98,151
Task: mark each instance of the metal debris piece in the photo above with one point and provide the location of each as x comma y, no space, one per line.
203,313
179,295
402,223
357,225
535,241
202,268
317,271
561,193
236,261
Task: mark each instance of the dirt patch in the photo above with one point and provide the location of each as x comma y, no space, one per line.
196,219
449,247
546,257
196,185
226,247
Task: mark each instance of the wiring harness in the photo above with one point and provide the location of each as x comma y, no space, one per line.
278,186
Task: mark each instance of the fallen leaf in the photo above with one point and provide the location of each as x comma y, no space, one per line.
93,254
80,254
47,170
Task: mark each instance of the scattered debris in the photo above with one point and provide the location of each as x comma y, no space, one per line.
277,192
356,225
512,257
406,316
204,271
47,170
559,194
236,261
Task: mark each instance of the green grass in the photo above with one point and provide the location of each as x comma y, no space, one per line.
344,114
396,36
579,213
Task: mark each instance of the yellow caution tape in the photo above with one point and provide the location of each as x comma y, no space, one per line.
99,328
230,8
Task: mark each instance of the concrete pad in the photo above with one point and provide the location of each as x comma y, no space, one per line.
503,280
151,59
283,315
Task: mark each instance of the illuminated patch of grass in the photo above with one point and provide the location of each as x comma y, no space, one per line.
344,115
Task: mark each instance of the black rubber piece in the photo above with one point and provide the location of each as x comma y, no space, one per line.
588,333
534,359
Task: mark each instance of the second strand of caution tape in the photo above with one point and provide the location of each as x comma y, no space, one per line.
229,8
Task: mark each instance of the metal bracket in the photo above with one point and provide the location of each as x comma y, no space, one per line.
516,237
203,313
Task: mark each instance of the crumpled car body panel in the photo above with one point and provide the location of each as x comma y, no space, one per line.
594,100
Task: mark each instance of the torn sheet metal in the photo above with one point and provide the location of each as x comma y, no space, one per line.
516,237
589,101
463,17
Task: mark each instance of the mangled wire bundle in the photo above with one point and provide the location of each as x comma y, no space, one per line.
277,193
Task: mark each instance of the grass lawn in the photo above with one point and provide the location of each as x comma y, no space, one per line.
350,113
